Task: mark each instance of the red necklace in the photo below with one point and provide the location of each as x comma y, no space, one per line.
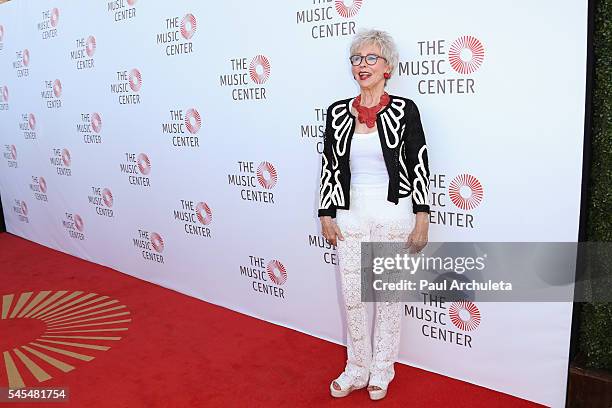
368,115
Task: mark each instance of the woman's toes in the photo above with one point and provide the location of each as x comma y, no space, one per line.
336,386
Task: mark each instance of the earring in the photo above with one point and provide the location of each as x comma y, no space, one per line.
387,75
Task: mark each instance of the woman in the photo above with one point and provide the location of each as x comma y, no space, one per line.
375,184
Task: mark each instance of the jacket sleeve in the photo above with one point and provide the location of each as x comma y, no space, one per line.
417,160
326,182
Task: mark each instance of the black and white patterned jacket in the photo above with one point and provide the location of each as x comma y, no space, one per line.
403,146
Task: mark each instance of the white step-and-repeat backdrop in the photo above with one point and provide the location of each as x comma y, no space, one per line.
179,142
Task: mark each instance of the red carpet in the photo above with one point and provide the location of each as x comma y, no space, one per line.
177,351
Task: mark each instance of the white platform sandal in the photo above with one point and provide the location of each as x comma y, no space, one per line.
347,385
377,381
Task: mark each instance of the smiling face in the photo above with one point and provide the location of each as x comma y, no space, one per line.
370,76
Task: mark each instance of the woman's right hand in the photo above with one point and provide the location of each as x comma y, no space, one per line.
330,229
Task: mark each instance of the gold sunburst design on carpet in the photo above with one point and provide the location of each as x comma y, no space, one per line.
75,326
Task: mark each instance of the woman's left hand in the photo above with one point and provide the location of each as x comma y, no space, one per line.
417,240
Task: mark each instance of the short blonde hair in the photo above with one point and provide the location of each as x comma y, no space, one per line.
388,49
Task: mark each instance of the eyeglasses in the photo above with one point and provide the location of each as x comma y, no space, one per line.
371,59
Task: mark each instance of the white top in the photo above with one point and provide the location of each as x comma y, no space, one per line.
366,160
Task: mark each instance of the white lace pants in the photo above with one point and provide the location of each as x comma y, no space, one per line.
370,218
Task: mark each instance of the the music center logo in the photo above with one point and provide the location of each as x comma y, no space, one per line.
39,188
443,323
137,168
150,245
52,94
20,208
466,54
184,126
127,86
10,154
101,198
28,125
21,63
48,26
196,218
243,73
83,54
329,18
1,37
464,315
443,70
74,225
465,193
255,183
324,248
121,10
177,35
90,127
266,175
61,160
265,278
314,131
4,97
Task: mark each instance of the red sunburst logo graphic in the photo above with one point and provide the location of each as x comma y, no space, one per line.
204,213
26,57
54,17
464,315
465,191
66,157
96,122
135,80
466,54
43,184
144,164
24,208
276,272
107,197
78,222
188,26
1,33
348,11
5,93
266,175
13,152
259,69
193,121
32,121
90,46
157,241
131,2
57,88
